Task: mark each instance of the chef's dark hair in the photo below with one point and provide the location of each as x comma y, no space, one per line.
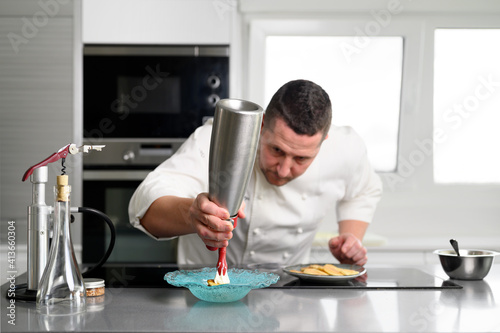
303,105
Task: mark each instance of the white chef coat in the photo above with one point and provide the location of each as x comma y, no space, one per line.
281,221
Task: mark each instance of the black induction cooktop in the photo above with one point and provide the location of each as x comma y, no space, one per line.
152,276
378,278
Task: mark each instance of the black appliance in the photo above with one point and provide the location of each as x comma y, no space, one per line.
141,91
142,102
378,278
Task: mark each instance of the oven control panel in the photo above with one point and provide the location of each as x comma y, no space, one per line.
135,154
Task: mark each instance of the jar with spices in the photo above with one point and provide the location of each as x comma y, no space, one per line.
94,287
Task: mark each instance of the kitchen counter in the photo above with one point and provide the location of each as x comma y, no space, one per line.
472,308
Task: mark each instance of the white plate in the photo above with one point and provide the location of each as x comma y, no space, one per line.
325,278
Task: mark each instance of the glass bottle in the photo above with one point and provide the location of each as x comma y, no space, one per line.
61,290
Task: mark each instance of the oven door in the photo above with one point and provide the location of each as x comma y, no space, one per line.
110,192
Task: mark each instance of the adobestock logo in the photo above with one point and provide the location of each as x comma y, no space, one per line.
127,102
453,118
124,103
381,19
223,7
31,26
463,110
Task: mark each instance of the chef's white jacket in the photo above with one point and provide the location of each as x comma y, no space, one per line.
280,222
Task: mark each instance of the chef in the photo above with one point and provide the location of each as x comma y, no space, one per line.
304,167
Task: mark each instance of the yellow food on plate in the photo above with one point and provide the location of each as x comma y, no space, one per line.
327,269
333,270
314,271
212,283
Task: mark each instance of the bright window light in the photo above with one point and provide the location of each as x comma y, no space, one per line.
467,106
364,87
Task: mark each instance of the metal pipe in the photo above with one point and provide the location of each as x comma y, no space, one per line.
38,228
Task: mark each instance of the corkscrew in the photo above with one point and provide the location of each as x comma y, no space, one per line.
62,154
39,217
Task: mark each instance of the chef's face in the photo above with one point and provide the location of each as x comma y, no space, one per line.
284,155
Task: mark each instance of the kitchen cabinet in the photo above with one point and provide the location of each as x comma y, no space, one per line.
39,94
167,22
158,21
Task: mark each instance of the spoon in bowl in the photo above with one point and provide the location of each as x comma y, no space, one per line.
454,243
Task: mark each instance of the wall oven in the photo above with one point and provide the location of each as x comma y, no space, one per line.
142,102
108,188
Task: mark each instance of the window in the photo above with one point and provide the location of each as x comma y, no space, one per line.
364,86
467,106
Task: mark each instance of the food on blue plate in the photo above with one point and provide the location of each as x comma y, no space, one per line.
211,283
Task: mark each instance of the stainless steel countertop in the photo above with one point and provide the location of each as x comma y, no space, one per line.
474,308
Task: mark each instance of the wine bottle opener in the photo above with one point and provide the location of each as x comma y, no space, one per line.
39,212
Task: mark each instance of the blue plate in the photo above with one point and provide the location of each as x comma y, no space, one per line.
242,281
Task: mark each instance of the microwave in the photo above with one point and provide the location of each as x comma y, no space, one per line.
151,91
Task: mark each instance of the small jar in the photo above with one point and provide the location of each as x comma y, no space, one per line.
94,287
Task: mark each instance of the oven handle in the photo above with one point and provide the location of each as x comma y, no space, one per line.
111,242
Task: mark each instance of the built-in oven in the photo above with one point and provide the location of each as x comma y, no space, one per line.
141,102
103,192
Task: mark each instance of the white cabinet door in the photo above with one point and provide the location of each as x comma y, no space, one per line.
157,21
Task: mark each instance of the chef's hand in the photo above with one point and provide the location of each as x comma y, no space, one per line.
348,249
210,222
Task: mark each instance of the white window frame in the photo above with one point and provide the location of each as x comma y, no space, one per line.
409,29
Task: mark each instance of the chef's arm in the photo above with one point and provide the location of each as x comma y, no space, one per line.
171,216
168,216
355,227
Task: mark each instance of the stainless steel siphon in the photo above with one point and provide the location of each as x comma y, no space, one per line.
233,147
